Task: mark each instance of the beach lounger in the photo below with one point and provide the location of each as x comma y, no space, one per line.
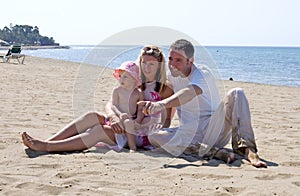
14,53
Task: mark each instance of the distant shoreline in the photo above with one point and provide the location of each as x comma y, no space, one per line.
36,47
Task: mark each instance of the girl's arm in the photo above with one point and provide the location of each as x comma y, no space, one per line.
115,122
115,102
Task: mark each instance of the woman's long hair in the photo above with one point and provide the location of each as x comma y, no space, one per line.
161,75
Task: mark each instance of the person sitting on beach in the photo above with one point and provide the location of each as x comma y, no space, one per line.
90,128
124,102
205,124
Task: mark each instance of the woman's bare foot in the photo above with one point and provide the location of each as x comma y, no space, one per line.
224,155
34,144
254,159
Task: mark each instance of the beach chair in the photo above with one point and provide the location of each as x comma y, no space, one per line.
14,53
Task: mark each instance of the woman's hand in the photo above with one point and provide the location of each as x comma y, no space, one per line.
116,124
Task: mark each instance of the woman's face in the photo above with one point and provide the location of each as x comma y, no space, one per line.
149,67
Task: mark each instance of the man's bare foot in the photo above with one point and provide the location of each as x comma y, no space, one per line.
33,144
224,155
253,158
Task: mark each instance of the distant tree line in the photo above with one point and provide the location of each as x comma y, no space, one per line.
25,35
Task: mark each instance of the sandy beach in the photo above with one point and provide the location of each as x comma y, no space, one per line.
42,95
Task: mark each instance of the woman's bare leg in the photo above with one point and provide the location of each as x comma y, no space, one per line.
82,141
79,125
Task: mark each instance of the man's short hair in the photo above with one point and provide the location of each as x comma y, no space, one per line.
184,45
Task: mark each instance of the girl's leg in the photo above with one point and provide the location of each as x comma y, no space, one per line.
131,141
148,121
79,125
85,140
130,134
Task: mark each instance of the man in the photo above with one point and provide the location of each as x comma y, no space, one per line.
203,120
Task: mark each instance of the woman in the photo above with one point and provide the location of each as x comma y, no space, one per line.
89,129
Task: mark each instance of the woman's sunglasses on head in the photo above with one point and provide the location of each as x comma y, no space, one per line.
152,51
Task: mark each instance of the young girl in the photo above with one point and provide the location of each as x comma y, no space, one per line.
124,103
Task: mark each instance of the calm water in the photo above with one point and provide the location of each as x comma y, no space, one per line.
268,65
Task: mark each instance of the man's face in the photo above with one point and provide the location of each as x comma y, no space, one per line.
179,64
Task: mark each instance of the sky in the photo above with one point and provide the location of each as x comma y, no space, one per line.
209,22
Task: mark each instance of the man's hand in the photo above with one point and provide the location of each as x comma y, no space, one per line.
124,116
153,128
151,107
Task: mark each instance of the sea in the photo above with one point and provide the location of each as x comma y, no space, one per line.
266,65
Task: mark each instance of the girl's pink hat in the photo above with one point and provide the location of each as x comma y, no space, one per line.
132,68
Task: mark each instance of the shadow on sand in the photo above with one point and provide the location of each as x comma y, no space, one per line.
164,160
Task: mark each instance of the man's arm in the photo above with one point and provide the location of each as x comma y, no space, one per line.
179,98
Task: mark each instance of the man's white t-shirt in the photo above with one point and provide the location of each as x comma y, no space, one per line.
194,116
204,104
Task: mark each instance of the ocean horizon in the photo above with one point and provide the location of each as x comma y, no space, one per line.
260,64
